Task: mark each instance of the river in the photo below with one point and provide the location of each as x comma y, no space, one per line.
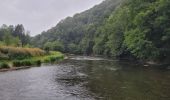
86,78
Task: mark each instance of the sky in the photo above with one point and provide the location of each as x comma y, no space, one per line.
40,15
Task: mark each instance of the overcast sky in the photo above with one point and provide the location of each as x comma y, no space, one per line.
40,15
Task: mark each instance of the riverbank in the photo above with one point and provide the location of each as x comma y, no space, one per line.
142,63
14,58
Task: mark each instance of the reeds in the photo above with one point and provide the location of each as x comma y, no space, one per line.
20,53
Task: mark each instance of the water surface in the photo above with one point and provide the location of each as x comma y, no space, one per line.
86,78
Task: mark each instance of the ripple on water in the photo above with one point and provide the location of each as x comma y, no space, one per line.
86,78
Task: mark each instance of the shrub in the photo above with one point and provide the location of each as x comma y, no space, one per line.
46,60
3,56
26,63
18,63
37,62
4,65
52,59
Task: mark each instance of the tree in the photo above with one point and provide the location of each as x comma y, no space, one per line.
57,46
20,32
79,29
136,28
7,38
48,46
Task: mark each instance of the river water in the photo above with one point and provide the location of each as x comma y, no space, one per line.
86,78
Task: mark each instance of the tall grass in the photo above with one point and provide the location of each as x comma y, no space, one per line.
20,53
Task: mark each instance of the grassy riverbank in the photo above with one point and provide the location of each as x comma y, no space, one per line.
17,57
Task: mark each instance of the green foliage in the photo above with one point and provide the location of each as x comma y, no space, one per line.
77,33
48,46
14,36
9,40
3,56
58,46
53,57
73,48
38,60
117,28
53,46
145,37
2,43
109,40
4,65
21,63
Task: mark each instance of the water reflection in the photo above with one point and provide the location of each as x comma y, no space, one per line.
80,78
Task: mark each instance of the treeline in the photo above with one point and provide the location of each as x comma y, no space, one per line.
14,36
116,28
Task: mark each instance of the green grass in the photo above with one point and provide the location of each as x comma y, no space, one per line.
4,65
52,57
33,61
30,62
49,58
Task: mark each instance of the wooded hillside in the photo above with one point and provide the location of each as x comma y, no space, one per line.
117,28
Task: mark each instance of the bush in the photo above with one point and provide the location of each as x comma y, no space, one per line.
18,63
46,60
4,65
3,56
38,62
26,63
53,58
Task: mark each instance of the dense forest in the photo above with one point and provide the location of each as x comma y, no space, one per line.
75,34
138,29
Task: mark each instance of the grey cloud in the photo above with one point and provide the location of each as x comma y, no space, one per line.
39,15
